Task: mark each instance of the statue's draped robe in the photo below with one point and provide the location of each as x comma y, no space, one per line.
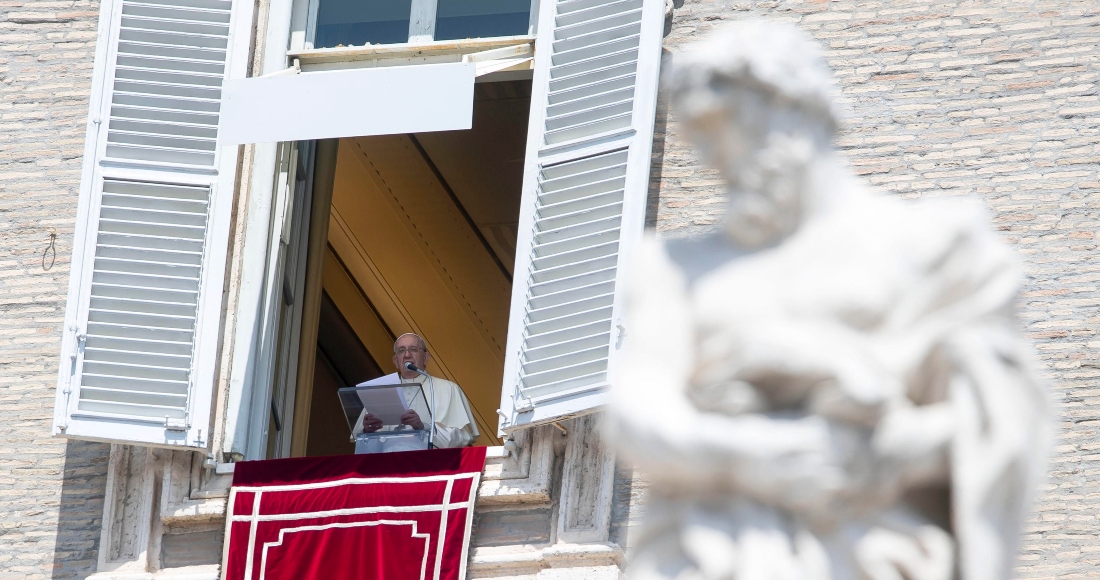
854,402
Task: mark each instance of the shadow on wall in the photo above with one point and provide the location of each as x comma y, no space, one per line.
80,509
657,157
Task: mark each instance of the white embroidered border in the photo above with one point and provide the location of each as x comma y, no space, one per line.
283,532
444,507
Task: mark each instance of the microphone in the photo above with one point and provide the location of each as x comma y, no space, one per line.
409,366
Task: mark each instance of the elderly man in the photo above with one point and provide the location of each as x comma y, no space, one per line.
454,421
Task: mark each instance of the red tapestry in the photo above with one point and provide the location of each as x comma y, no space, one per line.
391,516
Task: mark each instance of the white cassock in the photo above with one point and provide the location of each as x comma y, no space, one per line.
454,420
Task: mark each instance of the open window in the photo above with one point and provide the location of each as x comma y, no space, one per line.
407,248
482,191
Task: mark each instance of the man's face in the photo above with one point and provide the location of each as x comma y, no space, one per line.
408,349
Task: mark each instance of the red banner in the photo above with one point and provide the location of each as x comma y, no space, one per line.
391,516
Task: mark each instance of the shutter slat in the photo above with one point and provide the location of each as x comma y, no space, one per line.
563,285
162,155
219,5
131,344
176,13
564,310
568,295
576,132
164,128
136,371
123,383
581,218
144,359
124,410
141,306
182,65
213,57
568,13
602,41
183,144
609,94
116,329
566,375
575,269
135,397
587,252
165,116
138,293
168,77
581,205
572,319
571,358
178,22
165,106
595,23
590,114
551,351
153,321
152,242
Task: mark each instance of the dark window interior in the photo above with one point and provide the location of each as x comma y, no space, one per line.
342,361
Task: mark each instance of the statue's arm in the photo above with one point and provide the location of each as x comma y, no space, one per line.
787,462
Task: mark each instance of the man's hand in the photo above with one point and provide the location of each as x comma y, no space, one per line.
411,419
371,423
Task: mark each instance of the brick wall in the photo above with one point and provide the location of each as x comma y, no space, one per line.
50,491
993,99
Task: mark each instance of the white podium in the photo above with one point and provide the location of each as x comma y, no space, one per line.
388,403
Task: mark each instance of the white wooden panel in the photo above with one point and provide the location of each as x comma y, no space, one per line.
348,103
143,313
585,186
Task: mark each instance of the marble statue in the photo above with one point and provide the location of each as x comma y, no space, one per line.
833,385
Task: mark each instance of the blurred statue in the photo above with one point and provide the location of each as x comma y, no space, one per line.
834,384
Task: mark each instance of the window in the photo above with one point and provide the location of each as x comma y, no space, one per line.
346,23
458,19
360,22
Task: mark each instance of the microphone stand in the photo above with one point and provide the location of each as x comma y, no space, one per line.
431,408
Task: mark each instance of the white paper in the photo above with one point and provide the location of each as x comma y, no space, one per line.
385,404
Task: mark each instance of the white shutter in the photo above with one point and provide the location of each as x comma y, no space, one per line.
584,195
144,307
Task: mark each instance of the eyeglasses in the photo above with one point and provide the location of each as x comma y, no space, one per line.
411,350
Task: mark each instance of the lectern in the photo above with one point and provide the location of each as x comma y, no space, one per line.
388,403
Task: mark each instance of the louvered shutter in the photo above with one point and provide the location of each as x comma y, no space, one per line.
584,194
144,307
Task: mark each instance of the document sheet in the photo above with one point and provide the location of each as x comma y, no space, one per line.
386,404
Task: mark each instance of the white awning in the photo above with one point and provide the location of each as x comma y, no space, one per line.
348,103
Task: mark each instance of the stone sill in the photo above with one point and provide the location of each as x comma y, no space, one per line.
313,56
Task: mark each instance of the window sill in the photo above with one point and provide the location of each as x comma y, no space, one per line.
443,48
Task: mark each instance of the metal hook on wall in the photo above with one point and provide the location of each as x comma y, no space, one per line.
50,252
